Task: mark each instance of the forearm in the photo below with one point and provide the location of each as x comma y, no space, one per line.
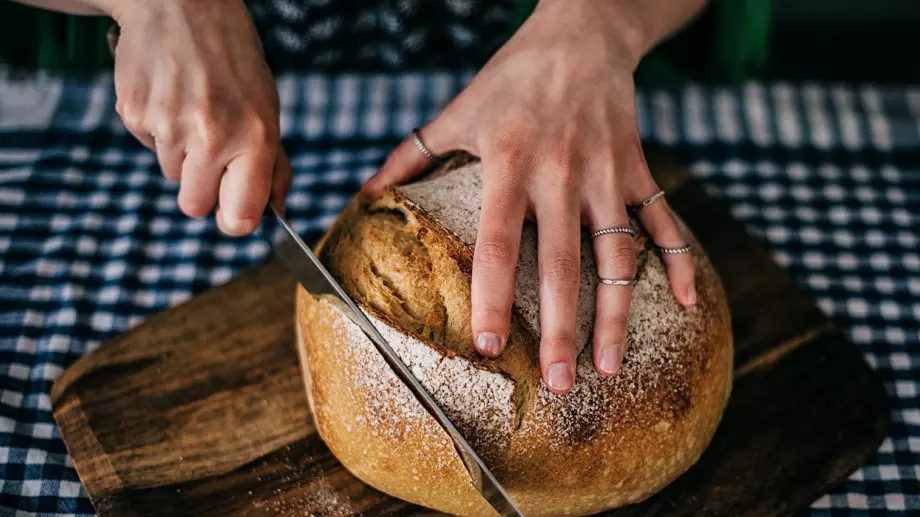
641,24
112,8
78,7
659,19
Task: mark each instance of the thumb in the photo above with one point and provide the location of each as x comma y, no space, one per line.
408,161
281,179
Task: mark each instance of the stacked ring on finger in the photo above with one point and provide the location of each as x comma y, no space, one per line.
617,282
667,251
649,200
614,229
676,251
417,138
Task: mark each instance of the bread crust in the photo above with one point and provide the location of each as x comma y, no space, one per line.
406,258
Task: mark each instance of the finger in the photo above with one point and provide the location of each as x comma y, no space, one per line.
559,239
131,104
659,222
244,192
281,179
133,120
143,137
615,254
171,157
407,160
168,136
495,257
199,182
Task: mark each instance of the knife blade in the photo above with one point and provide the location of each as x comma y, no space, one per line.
316,279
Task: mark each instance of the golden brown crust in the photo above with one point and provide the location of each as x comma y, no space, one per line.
610,442
372,433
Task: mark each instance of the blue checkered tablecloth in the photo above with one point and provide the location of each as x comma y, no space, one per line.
92,242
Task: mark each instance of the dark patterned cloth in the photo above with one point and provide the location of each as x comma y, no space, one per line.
381,34
92,241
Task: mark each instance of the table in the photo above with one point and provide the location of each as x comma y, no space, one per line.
92,241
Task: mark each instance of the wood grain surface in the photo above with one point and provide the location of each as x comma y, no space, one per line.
200,410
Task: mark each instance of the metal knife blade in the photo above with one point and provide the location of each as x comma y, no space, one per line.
316,279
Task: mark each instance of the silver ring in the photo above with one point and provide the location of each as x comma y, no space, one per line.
612,281
614,229
422,147
676,251
648,201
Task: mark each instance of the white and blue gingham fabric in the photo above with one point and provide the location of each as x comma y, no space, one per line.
92,241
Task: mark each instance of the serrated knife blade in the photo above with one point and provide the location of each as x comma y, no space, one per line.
316,279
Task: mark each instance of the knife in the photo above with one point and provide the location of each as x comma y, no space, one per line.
316,279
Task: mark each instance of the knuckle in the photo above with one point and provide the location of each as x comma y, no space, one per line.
170,170
206,129
615,322
623,251
171,174
164,129
563,174
194,206
561,340
509,156
565,158
252,208
257,130
131,115
682,268
620,258
492,316
562,270
495,252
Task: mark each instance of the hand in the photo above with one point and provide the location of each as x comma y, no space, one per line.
552,116
192,85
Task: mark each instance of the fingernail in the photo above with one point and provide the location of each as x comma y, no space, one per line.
691,295
489,344
610,359
559,377
240,226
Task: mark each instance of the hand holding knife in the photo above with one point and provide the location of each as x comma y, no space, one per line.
316,279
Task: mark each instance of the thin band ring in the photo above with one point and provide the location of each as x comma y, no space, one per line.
614,229
648,201
621,283
676,251
422,147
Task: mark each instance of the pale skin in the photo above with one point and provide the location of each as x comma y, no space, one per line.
551,115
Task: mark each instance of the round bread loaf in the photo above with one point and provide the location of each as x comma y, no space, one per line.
406,258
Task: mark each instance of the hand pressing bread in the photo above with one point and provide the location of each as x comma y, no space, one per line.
552,116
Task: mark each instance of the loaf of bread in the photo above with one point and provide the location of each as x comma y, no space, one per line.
406,258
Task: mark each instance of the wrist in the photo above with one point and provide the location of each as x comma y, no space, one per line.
637,25
116,8
619,20
121,10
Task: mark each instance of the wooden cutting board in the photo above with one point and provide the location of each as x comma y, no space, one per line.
200,411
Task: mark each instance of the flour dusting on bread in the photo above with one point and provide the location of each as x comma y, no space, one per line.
477,402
